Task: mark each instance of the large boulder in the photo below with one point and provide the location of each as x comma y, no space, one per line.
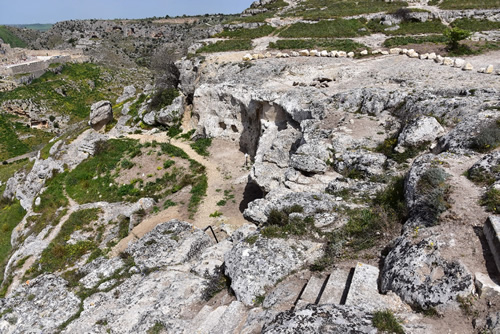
486,169
421,277
255,265
171,243
101,114
317,319
422,130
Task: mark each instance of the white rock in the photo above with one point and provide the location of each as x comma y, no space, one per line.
256,56
286,55
313,53
481,70
489,69
374,52
384,52
405,51
412,54
447,61
38,201
334,53
324,53
439,59
431,56
350,54
268,55
459,63
364,52
304,53
486,286
395,51
279,55
424,56
294,54
342,54
468,67
247,57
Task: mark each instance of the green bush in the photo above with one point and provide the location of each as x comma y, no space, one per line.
435,190
215,283
386,322
413,28
10,38
487,139
491,199
10,216
454,36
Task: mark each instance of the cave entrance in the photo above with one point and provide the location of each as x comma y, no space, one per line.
250,194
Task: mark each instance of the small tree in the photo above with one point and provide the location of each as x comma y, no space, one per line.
454,36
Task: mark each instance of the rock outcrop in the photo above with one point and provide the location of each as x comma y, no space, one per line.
101,114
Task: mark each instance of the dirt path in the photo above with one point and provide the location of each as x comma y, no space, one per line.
217,183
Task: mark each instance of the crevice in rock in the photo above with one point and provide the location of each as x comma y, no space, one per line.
251,193
347,287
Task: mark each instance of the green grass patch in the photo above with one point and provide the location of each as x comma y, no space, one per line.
90,180
400,41
488,138
475,25
347,45
491,200
326,9
386,322
387,147
70,92
229,45
201,146
325,29
242,33
11,214
60,254
10,38
469,4
7,171
163,98
11,146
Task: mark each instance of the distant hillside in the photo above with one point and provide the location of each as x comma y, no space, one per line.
36,26
8,37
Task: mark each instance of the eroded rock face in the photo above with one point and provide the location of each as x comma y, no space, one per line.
170,243
486,169
101,114
421,277
25,187
317,319
128,92
38,307
253,267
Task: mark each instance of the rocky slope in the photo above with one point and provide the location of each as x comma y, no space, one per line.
365,184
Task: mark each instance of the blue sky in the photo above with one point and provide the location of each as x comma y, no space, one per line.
51,11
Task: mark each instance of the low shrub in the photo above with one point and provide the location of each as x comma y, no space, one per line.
386,322
229,45
491,199
435,191
201,146
215,283
163,98
488,138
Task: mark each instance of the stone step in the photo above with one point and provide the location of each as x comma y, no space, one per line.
206,319
233,318
335,287
492,233
364,286
363,290
311,292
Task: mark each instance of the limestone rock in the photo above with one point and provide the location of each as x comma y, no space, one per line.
362,161
318,319
395,51
421,130
38,307
253,267
101,114
459,63
350,54
313,53
170,243
486,168
128,92
468,67
489,69
364,52
304,53
448,61
247,57
418,274
342,54
486,287
307,164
